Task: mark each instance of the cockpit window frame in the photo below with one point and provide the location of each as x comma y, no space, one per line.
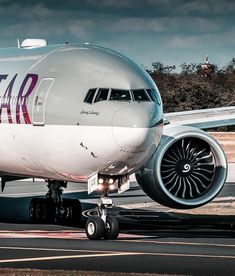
93,97
97,92
158,99
128,90
143,89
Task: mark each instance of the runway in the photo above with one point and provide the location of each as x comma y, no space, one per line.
190,252
153,239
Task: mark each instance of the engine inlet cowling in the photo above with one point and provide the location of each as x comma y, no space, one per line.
188,169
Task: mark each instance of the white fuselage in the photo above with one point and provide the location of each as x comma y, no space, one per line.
48,131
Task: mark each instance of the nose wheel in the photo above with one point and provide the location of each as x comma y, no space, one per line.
111,231
96,228
102,226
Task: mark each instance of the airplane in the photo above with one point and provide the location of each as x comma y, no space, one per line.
85,113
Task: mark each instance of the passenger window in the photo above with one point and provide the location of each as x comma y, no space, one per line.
102,95
140,95
120,95
153,94
89,96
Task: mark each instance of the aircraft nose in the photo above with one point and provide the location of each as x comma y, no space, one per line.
134,126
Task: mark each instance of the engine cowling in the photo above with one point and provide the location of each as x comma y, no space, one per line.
188,169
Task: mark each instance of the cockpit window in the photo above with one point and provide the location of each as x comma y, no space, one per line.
102,95
95,95
140,95
90,95
153,95
120,95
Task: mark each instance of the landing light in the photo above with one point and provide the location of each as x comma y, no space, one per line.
101,181
112,187
111,181
100,187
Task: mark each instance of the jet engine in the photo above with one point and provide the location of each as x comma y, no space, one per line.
188,169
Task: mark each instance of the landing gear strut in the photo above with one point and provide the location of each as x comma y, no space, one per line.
103,225
54,208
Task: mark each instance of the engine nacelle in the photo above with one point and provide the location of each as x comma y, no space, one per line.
188,169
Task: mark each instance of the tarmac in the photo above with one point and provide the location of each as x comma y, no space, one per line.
153,238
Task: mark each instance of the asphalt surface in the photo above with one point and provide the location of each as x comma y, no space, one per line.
153,238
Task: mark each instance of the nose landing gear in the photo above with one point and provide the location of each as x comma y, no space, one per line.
56,209
103,226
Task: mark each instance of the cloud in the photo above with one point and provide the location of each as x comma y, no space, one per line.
169,25
34,12
110,3
183,42
38,10
136,24
187,24
209,7
80,28
141,29
5,1
38,29
40,21
132,4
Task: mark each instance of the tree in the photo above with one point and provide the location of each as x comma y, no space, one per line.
191,89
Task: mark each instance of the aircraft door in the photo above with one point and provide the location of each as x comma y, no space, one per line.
39,103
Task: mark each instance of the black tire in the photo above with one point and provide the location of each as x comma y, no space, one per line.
73,211
76,212
35,210
112,228
32,210
95,228
44,210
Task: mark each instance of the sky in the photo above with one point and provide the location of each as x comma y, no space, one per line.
169,31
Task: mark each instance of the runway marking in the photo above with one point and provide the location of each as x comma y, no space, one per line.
113,254
53,249
73,234
190,255
181,243
46,234
69,257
